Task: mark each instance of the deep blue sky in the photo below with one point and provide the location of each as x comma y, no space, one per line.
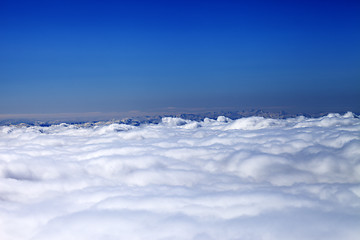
109,56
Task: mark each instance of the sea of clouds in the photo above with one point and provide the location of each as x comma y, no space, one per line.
252,178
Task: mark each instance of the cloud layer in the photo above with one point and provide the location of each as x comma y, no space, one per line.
251,178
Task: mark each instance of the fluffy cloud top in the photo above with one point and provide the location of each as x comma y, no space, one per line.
251,178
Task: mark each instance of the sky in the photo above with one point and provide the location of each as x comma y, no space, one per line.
113,56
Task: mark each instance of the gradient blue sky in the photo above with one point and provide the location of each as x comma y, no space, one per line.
110,56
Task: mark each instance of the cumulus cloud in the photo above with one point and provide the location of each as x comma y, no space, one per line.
251,178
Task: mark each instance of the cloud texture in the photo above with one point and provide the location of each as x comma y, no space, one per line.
251,178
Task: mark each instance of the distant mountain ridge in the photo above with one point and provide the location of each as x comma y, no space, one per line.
156,118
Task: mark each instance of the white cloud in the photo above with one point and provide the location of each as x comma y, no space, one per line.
251,178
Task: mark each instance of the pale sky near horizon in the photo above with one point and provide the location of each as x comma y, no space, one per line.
114,56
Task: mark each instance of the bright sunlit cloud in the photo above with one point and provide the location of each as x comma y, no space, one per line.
251,178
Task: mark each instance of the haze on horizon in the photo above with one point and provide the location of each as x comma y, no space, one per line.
116,56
